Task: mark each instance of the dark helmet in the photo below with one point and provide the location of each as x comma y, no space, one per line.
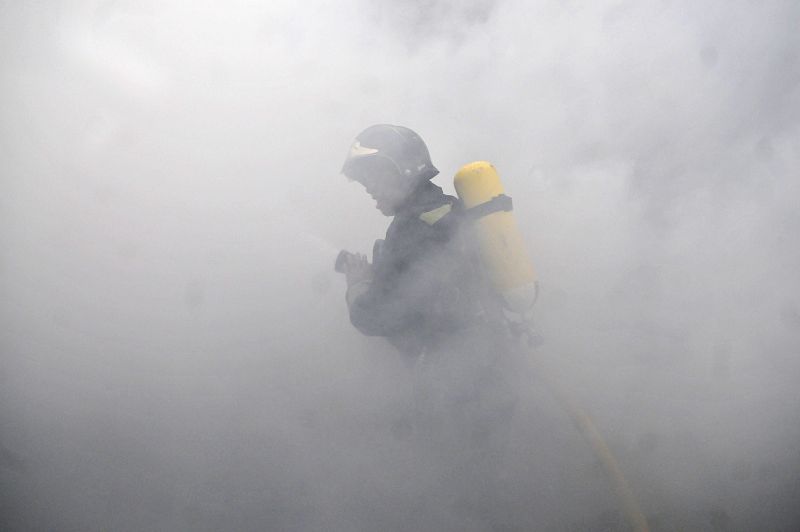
383,147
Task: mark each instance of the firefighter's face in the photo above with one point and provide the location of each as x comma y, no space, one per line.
388,196
386,186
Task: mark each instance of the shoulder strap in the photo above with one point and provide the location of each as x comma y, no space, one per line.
433,216
498,203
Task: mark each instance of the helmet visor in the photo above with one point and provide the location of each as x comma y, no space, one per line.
374,171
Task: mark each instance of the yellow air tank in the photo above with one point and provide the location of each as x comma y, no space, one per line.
499,240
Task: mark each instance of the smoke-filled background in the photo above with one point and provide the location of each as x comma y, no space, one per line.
175,347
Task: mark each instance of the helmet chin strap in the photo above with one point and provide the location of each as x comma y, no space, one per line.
412,191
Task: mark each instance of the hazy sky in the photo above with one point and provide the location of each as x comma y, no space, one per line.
175,352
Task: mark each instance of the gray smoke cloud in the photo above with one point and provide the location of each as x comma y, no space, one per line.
176,352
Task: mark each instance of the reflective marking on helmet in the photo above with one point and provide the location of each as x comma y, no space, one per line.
357,150
431,217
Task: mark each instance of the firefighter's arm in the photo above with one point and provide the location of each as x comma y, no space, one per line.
385,307
400,290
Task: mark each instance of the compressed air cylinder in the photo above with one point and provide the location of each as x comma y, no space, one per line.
500,242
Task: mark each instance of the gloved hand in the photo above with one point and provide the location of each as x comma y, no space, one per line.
355,267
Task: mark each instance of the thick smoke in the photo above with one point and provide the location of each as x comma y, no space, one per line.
176,353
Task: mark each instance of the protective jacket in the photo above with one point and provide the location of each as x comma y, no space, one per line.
425,284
